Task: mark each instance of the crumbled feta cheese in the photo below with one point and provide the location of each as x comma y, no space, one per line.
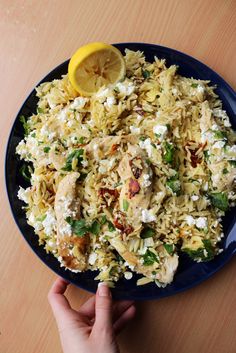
218,145
51,243
146,180
194,197
215,127
21,149
219,113
207,137
134,130
148,242
125,88
200,89
128,275
190,220
102,94
70,123
146,145
160,130
84,163
110,101
147,216
62,116
139,118
79,103
174,91
205,186
231,149
215,179
158,114
201,222
24,194
66,230
49,223
92,258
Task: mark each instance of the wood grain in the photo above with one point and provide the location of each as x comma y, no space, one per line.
35,37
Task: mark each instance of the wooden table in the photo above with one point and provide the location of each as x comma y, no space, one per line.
35,37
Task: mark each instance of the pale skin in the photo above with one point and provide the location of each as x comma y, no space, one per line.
93,328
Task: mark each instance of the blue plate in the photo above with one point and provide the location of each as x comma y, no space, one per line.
189,273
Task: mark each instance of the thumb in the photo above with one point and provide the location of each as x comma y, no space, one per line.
103,308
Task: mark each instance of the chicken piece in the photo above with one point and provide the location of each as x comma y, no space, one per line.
101,147
136,176
57,159
164,274
71,248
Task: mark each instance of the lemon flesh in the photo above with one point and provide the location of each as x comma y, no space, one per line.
95,65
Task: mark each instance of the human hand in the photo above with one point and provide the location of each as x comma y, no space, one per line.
93,328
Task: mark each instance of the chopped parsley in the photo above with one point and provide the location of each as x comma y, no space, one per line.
207,249
225,171
95,228
81,140
174,184
80,228
76,154
46,149
233,163
169,153
26,171
169,248
146,73
149,258
194,85
25,125
40,110
206,154
125,205
220,135
219,200
103,219
42,218
147,232
111,227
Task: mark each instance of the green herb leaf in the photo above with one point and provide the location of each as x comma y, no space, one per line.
42,218
146,73
46,149
111,227
194,85
33,135
220,135
206,155
174,184
169,153
103,220
125,205
116,89
81,140
147,232
225,171
78,154
142,138
40,110
169,248
79,227
26,172
219,200
233,163
95,228
25,125
200,253
149,258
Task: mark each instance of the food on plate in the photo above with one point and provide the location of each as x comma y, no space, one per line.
130,172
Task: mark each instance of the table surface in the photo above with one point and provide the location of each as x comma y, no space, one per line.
35,37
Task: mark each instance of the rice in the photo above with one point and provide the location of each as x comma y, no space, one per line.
179,145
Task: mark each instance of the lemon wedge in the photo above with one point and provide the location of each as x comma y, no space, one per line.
95,65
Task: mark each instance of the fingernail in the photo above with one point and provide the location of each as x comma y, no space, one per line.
103,290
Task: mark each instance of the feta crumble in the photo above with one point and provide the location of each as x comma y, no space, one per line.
201,222
49,223
24,194
146,145
147,216
134,130
160,130
128,275
190,220
195,197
